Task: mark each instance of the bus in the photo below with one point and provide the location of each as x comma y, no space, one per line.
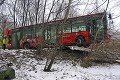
80,31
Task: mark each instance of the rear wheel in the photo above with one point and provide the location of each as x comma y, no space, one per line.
80,41
26,46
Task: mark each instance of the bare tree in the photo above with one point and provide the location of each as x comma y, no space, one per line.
37,9
1,2
14,13
50,61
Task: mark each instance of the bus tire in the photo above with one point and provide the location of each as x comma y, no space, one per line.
26,46
80,41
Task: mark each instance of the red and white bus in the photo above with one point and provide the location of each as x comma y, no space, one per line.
80,31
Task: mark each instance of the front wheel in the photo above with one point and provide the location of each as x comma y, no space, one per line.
26,46
80,41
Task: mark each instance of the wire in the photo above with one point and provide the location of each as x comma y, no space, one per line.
100,5
116,17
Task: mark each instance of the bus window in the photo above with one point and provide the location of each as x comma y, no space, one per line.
78,27
82,28
67,29
59,29
39,31
97,25
94,26
33,32
47,34
100,27
27,32
53,34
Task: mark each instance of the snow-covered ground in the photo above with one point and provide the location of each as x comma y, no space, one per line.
32,69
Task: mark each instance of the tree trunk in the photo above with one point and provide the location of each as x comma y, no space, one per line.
50,60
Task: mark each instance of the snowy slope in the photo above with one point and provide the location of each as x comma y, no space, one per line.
32,69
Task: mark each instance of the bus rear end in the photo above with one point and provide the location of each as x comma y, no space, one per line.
85,30
75,33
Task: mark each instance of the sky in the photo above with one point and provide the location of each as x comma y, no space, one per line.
113,9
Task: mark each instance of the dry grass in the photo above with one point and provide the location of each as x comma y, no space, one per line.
103,53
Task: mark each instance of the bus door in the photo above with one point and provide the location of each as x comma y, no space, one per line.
53,34
50,34
27,32
39,31
15,38
47,35
40,34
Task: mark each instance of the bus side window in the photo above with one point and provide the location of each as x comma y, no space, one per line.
28,35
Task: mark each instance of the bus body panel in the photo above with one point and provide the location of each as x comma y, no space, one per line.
34,42
70,38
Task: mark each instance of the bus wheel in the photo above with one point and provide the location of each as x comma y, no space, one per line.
80,41
26,46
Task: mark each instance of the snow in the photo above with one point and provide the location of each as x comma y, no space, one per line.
32,69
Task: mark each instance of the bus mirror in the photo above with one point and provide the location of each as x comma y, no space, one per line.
110,17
